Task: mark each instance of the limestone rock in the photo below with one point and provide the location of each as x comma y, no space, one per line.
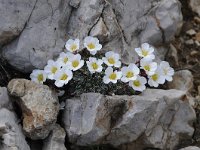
39,107
13,16
182,80
11,136
190,148
4,99
156,119
56,140
195,6
42,39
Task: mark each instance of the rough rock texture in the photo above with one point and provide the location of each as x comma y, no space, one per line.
56,140
120,26
190,148
13,15
195,6
11,136
157,119
39,106
4,99
182,80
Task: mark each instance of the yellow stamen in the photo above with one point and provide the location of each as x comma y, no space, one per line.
54,69
144,52
95,66
65,60
75,63
73,47
154,77
111,60
129,74
91,46
113,76
147,68
64,77
40,77
136,83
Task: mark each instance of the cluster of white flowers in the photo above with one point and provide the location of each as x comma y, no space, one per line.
136,74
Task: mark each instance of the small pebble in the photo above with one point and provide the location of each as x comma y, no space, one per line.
197,43
191,32
193,53
189,42
197,19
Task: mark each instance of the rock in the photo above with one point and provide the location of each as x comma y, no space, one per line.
13,16
39,107
197,37
172,56
120,26
197,43
56,140
191,32
11,136
182,80
189,42
4,99
190,148
156,119
195,6
42,39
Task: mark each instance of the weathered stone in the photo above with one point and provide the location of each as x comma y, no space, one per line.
56,140
4,99
195,6
157,119
191,32
189,42
13,15
39,106
42,39
182,80
190,148
11,136
172,56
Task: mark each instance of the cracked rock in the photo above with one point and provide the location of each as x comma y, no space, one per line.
39,107
157,119
5,101
13,16
11,135
56,140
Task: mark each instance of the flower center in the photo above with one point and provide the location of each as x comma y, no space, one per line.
54,69
40,77
136,83
129,74
73,47
154,77
75,63
147,68
64,77
91,46
111,60
144,52
95,66
113,76
65,60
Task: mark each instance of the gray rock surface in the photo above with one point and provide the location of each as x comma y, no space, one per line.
195,6
11,135
5,101
182,80
39,107
120,25
13,15
56,140
190,148
157,119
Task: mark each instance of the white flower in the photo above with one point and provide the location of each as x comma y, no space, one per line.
111,76
72,45
130,73
75,62
112,59
145,51
166,70
94,65
63,59
156,79
92,44
63,76
149,66
138,84
38,76
51,68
